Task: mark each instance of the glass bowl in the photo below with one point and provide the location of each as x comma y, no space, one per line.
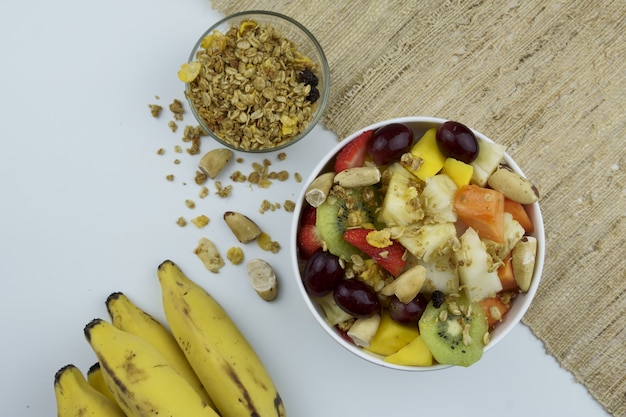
250,93
520,304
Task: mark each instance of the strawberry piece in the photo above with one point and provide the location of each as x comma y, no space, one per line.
309,215
353,154
391,257
344,335
308,240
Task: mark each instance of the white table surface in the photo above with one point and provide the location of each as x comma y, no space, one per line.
86,211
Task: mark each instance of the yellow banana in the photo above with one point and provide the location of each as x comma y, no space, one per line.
139,377
96,380
76,398
127,316
228,367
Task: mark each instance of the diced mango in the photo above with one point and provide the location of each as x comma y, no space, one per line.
426,150
415,353
391,336
458,171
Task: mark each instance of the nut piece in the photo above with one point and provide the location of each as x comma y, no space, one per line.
244,229
363,330
209,255
358,177
214,161
263,279
513,185
318,190
523,261
407,285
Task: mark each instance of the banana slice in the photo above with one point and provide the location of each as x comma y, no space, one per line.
407,285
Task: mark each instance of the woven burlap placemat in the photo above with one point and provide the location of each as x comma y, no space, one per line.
547,79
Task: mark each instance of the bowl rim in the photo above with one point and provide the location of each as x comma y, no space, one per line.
513,316
325,69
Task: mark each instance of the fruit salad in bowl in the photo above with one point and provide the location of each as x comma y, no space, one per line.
418,243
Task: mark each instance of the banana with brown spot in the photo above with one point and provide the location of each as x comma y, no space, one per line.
76,397
229,368
141,380
128,316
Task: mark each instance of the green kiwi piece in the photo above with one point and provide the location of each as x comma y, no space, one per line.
338,213
454,338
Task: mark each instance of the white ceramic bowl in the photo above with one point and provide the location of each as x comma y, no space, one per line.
521,303
304,42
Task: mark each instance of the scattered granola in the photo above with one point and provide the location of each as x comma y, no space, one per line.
222,191
238,176
266,243
260,175
254,89
193,135
176,107
289,206
266,205
155,110
200,221
235,255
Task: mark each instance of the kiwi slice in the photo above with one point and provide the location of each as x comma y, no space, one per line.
356,207
455,331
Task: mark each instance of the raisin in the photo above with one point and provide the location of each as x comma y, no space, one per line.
437,298
308,77
314,94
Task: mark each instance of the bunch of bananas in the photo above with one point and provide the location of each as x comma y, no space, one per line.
203,367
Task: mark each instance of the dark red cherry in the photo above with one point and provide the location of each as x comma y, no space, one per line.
357,298
455,140
389,142
408,313
321,273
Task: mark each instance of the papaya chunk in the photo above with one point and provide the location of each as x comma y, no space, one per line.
507,278
519,214
494,309
481,209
